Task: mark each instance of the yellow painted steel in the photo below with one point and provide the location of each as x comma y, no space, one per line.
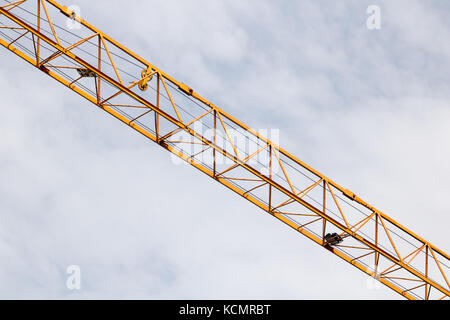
386,250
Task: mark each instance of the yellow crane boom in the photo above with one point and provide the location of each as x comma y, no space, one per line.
174,116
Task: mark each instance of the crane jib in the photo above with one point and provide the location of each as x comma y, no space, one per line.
163,109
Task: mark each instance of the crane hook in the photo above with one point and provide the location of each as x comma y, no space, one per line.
147,75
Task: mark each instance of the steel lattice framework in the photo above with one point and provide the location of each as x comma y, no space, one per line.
115,79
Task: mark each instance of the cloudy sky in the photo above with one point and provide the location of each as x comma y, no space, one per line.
368,108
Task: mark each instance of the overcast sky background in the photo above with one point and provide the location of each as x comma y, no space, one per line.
370,109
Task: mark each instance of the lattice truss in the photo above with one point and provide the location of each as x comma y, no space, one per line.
174,116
